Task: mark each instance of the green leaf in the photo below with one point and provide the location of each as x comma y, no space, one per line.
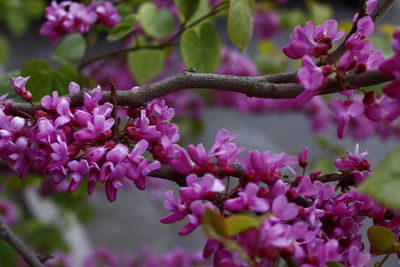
238,223
319,12
155,22
70,48
4,49
214,224
145,64
123,28
382,240
334,264
8,255
44,80
240,22
187,8
201,50
384,183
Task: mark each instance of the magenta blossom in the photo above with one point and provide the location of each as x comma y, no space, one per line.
344,111
312,78
248,200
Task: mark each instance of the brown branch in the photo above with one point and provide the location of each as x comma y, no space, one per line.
376,17
250,86
167,173
13,240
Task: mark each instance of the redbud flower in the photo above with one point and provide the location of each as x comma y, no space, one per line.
303,157
311,78
19,86
248,200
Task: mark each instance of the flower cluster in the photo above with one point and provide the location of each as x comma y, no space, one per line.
312,41
67,16
79,143
297,227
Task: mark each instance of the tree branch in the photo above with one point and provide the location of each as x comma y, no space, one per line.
270,86
167,173
9,236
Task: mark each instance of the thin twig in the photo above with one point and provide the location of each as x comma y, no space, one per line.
13,240
168,43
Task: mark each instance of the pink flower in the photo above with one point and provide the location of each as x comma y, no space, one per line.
310,41
79,170
311,78
344,111
106,12
19,86
248,200
198,189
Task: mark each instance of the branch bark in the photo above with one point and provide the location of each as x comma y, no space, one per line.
279,86
167,173
13,240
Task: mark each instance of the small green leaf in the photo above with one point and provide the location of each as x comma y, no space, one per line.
240,22
187,8
201,50
4,49
155,22
238,223
334,264
382,240
70,48
214,224
145,64
44,80
384,183
123,28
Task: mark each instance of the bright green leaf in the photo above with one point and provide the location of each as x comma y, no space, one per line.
214,224
187,8
70,48
155,22
44,80
4,49
123,28
334,264
145,64
384,183
201,50
238,223
240,22
382,240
